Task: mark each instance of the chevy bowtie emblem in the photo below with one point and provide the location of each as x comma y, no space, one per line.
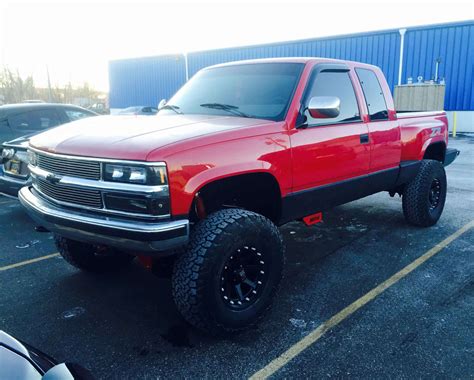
51,178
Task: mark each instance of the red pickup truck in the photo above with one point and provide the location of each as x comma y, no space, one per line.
242,148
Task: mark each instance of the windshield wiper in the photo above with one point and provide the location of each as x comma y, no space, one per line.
225,107
171,107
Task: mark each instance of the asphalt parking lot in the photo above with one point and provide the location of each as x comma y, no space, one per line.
125,325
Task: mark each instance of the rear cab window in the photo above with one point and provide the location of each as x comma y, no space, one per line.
339,84
373,94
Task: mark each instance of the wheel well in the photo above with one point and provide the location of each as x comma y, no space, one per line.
436,151
258,192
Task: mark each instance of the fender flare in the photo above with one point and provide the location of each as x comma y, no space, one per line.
217,173
432,140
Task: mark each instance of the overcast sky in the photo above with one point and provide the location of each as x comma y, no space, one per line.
77,39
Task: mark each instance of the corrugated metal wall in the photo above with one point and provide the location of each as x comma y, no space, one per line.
380,48
145,81
149,79
454,45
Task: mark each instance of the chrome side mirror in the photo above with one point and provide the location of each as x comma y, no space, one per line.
161,104
324,107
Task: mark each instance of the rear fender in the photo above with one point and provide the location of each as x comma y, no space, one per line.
430,141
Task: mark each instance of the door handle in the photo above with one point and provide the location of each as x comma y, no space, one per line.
364,138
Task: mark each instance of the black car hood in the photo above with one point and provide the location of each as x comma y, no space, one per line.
19,142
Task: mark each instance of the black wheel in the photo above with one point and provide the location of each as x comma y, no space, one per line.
91,258
226,280
425,195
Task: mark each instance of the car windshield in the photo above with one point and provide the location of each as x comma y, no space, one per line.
261,90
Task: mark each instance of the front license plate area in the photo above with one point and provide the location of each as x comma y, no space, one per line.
13,167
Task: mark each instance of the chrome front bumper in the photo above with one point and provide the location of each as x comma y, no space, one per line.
129,235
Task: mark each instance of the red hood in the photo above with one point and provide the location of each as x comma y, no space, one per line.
132,137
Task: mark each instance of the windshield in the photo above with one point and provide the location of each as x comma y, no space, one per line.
262,90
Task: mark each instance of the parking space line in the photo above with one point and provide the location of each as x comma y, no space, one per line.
26,262
316,334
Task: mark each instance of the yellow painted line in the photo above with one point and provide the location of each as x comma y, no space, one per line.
27,262
316,334
455,123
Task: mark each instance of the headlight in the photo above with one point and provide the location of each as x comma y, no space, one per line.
8,153
143,175
22,156
32,158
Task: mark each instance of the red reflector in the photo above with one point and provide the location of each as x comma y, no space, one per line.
313,219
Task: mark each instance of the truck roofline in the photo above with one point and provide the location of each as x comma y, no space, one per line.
303,60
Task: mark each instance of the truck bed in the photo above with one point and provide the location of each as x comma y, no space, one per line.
413,114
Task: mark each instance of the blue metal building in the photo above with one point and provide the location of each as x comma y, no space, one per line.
144,81
400,53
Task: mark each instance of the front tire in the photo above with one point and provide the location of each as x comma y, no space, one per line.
227,279
90,258
424,197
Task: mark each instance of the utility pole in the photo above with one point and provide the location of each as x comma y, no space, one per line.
400,63
50,95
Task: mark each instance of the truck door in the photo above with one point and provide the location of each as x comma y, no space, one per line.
384,130
327,151
330,157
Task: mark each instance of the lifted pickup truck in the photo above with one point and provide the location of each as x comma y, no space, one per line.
242,148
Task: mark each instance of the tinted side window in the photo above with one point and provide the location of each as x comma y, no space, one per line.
19,122
335,84
5,132
73,114
34,121
373,94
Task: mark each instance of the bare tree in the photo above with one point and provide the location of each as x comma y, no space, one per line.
14,89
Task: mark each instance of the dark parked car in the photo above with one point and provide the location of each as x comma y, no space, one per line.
19,360
18,122
140,110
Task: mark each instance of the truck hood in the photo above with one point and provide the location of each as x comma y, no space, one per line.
132,137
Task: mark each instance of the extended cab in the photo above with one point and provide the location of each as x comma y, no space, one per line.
242,148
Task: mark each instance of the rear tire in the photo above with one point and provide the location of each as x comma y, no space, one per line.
227,279
90,258
424,197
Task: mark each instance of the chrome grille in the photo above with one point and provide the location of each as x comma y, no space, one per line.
70,194
70,167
